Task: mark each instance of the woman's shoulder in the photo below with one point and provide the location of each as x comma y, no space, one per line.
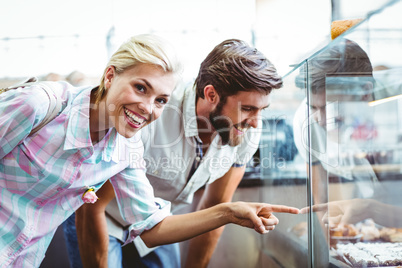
32,96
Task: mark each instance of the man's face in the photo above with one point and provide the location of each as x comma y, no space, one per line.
318,108
232,118
332,112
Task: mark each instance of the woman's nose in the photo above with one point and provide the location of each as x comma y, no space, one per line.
146,108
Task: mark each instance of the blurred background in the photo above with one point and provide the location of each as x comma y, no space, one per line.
52,39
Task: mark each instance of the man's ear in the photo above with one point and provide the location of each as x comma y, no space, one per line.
211,95
109,75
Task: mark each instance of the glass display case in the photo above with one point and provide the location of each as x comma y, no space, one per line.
332,145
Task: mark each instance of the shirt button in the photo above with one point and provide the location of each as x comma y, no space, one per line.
156,172
198,158
39,203
59,189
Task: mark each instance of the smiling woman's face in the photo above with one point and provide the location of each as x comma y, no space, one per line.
136,97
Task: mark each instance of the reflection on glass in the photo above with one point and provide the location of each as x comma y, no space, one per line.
347,129
352,149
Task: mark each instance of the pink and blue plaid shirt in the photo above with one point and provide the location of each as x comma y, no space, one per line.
43,176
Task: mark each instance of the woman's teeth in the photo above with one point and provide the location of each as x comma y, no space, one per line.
133,118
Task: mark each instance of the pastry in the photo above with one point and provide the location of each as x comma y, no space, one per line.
391,234
371,254
300,229
340,26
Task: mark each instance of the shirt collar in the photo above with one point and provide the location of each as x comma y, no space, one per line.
189,112
78,131
109,144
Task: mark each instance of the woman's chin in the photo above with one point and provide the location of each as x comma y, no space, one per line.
128,132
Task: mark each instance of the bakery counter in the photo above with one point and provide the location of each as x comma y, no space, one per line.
288,244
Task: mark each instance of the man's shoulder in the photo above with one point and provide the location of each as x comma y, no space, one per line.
179,94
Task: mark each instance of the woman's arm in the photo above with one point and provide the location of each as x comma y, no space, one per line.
93,241
150,217
177,228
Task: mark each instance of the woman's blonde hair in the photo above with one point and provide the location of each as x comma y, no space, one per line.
142,49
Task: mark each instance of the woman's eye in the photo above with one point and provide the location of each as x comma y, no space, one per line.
161,101
140,88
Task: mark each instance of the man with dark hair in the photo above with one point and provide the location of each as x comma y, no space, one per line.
204,138
338,77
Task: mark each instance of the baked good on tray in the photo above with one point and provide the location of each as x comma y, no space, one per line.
338,27
391,234
371,254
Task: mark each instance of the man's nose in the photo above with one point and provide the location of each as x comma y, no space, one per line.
321,117
253,121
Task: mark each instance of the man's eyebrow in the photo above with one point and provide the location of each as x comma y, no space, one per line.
267,106
255,107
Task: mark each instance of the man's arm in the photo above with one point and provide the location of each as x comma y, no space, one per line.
92,233
202,247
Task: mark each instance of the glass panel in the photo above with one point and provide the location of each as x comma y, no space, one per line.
354,90
284,177
343,107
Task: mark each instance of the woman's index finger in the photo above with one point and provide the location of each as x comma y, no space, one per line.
284,209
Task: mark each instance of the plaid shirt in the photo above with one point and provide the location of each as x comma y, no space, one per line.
43,176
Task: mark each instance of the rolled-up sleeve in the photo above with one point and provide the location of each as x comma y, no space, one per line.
137,203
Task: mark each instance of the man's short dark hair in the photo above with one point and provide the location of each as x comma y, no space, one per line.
234,66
